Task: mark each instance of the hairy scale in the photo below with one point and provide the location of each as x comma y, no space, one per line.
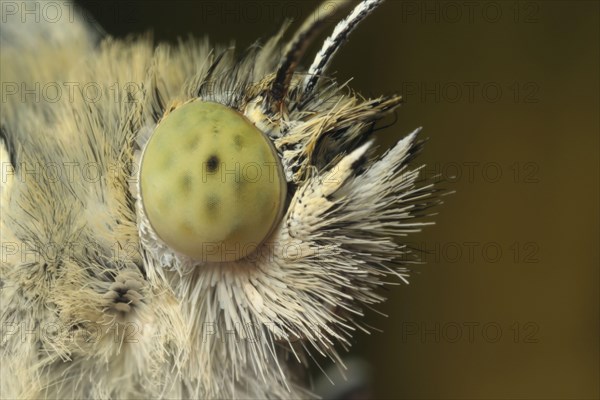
301,294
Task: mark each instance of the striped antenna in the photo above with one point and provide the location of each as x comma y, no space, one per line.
334,42
297,47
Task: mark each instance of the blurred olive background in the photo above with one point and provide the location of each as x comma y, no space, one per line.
507,304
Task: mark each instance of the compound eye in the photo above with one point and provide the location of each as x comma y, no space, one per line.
212,186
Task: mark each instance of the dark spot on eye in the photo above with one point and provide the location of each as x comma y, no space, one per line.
193,142
167,161
213,163
239,184
238,142
186,184
235,229
212,203
185,226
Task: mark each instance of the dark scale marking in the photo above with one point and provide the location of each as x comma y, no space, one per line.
121,295
9,144
213,163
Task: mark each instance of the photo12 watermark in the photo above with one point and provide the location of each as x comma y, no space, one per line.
68,12
471,92
469,12
484,172
57,332
469,332
119,252
89,92
475,252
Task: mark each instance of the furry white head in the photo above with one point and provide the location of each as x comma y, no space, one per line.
95,304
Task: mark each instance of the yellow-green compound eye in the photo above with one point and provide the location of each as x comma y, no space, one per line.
212,186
